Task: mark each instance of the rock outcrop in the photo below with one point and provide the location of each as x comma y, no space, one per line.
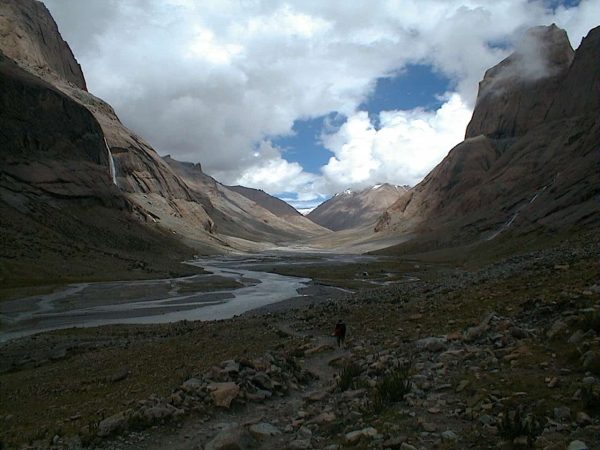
29,34
529,162
64,154
516,95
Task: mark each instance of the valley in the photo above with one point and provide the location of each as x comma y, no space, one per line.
483,340
144,304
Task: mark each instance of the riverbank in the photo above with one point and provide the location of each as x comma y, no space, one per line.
478,340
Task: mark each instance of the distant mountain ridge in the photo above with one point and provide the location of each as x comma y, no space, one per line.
238,216
273,204
350,209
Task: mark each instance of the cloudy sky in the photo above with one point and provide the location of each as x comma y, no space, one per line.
302,98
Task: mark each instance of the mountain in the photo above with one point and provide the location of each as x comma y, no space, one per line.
238,216
83,196
351,209
273,204
529,162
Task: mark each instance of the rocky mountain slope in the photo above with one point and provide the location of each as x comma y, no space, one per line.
238,216
66,152
61,214
351,209
529,162
273,204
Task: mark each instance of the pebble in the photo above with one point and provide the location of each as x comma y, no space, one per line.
264,430
449,435
578,445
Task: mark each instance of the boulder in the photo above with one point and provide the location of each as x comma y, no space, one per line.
233,437
264,430
578,445
192,385
112,424
355,436
432,344
223,393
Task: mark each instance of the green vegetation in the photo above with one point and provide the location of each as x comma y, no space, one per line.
392,388
363,275
348,377
518,424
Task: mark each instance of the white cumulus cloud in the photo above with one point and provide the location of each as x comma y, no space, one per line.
213,81
401,149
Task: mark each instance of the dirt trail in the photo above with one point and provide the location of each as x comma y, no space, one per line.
195,432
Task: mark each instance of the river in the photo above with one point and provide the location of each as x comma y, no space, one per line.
149,301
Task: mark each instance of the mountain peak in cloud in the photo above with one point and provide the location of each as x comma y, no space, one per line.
516,94
542,52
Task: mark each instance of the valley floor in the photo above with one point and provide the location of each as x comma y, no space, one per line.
509,352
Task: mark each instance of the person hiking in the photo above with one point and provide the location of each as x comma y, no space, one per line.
340,332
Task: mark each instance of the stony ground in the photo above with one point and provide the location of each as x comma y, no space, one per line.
507,356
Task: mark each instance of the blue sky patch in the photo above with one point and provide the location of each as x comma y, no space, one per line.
416,86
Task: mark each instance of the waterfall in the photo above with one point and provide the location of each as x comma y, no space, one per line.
111,164
507,225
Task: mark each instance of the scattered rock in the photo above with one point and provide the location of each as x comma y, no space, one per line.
119,375
316,396
112,424
557,328
264,430
406,446
562,413
449,435
299,444
394,442
355,436
263,381
583,419
591,361
192,385
159,412
475,332
325,417
223,393
230,366
578,445
232,437
431,344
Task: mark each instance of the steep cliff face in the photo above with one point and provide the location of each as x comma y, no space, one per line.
516,94
530,158
65,137
28,34
61,215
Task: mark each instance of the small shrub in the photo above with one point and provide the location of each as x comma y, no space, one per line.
590,396
392,388
591,321
515,423
348,376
